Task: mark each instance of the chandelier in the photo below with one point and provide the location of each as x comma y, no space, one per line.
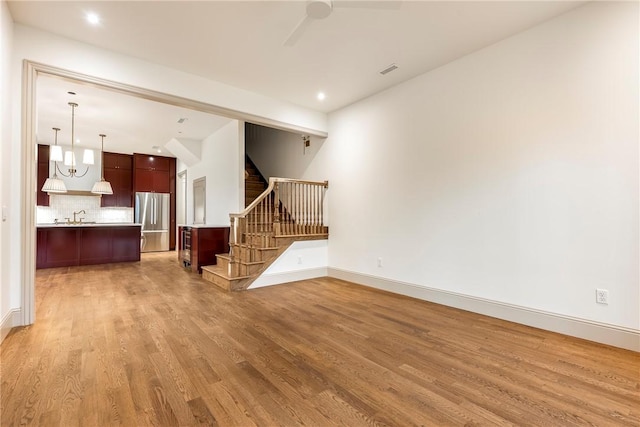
70,156
57,185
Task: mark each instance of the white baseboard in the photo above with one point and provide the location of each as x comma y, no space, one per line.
616,336
10,320
289,276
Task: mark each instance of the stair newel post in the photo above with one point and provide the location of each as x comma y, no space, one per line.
232,238
276,209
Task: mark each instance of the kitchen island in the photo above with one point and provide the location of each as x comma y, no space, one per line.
63,245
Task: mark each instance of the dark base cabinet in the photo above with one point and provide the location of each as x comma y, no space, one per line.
76,245
199,246
57,247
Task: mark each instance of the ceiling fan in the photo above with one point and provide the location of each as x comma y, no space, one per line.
320,9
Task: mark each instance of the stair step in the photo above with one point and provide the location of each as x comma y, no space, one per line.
227,257
219,277
239,267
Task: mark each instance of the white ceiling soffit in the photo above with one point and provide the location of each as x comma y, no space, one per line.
241,43
188,151
132,124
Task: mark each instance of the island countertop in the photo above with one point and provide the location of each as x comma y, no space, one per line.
89,224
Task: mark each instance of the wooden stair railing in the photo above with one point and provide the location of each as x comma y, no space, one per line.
287,211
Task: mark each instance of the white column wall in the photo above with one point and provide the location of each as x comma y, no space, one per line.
7,299
222,152
510,175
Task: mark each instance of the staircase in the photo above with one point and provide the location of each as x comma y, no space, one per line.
254,182
287,211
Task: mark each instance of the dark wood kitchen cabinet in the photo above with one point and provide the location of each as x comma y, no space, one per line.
57,247
157,174
42,198
63,246
152,173
198,246
118,170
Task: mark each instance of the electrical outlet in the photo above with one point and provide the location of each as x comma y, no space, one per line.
299,259
379,262
602,296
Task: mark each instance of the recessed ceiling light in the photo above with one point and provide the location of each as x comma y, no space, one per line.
93,18
321,96
182,120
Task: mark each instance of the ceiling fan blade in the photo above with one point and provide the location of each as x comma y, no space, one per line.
368,4
297,31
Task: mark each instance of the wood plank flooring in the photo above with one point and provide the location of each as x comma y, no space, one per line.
149,343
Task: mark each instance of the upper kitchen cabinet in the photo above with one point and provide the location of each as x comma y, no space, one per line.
118,170
43,173
152,173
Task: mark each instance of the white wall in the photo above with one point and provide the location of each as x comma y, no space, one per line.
6,34
301,261
222,157
509,175
277,153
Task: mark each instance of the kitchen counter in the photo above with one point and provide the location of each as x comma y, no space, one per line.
203,225
64,245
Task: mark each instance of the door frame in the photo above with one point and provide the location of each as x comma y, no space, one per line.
30,72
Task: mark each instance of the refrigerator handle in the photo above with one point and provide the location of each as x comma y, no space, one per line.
153,211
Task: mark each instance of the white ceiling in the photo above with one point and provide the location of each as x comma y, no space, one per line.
240,43
131,124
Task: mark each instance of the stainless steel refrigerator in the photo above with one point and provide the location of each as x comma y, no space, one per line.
152,211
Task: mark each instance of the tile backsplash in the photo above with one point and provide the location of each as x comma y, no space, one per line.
63,206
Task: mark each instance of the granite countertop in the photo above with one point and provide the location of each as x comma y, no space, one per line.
90,224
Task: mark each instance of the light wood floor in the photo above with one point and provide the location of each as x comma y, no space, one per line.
151,344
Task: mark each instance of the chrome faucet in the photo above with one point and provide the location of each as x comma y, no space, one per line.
78,213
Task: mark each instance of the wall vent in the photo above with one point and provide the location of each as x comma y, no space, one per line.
389,69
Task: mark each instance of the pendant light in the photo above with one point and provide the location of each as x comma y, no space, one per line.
55,184
102,186
70,156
